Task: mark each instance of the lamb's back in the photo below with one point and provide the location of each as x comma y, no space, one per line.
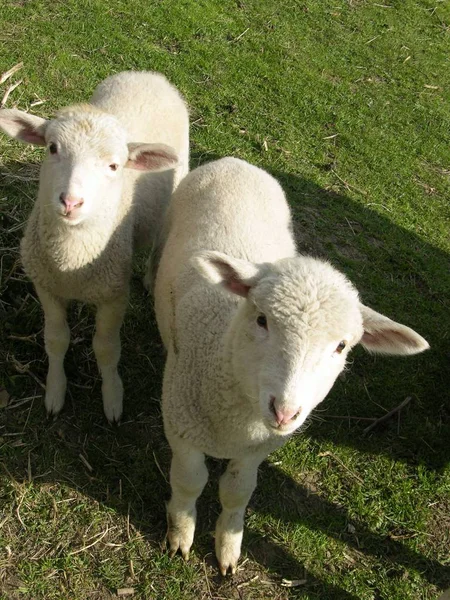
228,206
148,106
232,207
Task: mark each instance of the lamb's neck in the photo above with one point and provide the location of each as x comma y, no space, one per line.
232,371
239,426
72,247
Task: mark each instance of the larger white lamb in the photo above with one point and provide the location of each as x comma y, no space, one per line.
256,336
99,194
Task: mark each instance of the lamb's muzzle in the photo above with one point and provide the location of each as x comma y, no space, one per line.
283,417
69,205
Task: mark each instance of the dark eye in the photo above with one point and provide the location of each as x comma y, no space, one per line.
340,347
262,321
114,166
53,148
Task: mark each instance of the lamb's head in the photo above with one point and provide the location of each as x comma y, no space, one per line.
292,335
87,150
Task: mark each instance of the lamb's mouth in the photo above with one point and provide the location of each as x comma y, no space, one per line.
282,428
71,216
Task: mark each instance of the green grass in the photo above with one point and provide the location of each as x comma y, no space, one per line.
346,103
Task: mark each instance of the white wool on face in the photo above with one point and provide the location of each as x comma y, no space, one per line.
310,308
88,142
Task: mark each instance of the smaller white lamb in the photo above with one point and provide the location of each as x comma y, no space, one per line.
99,194
256,336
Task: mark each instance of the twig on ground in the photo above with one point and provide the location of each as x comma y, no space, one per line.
23,338
248,582
22,401
349,224
30,474
99,536
328,453
159,468
18,510
37,103
293,582
128,523
85,463
208,587
28,416
125,591
7,74
349,185
240,35
388,415
10,89
345,417
26,369
20,178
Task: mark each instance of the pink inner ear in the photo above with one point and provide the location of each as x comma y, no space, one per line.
148,160
152,160
32,137
383,336
237,287
27,133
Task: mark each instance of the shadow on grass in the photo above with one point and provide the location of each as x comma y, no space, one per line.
397,273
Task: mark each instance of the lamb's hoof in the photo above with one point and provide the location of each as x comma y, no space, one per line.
52,416
176,543
174,547
185,554
113,418
224,569
228,552
113,400
53,404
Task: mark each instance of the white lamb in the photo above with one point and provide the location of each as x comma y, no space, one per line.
98,193
256,336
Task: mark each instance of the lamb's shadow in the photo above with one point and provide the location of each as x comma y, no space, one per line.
280,497
401,275
129,464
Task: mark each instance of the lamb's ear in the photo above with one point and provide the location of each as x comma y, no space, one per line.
388,337
235,275
151,157
24,127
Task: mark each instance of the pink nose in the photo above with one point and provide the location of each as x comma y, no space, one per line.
70,202
282,416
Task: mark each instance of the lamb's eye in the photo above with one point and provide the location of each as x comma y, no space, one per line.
114,166
340,347
262,321
53,148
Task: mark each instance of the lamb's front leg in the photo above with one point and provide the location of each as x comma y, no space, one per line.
235,489
106,345
56,338
188,476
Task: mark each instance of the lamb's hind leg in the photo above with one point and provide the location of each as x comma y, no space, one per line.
56,337
235,489
188,476
106,345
